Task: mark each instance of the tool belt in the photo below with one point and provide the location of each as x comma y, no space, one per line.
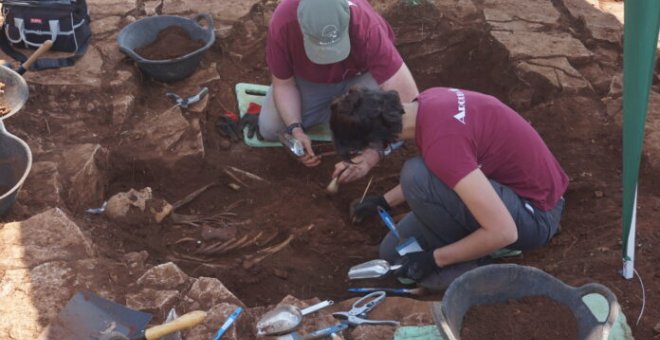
28,23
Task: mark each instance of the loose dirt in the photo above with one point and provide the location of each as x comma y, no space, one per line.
534,317
171,43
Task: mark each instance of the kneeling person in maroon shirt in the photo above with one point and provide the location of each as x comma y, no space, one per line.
317,50
484,180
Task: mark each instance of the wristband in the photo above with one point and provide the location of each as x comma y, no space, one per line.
289,129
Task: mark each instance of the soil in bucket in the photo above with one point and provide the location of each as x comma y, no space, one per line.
172,42
532,317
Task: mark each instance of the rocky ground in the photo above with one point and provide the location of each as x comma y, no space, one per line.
101,128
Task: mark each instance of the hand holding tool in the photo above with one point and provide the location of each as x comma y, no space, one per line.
418,265
359,210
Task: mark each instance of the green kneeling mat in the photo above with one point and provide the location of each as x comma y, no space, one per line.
255,93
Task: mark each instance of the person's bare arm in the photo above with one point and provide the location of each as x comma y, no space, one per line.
498,228
288,103
402,81
395,196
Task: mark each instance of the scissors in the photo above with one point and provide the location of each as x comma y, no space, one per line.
355,317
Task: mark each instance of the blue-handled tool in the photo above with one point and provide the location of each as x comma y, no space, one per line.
409,291
409,245
225,326
389,222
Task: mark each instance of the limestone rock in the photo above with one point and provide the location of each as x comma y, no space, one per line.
530,45
164,276
166,137
217,316
153,301
558,72
122,108
135,262
534,11
602,26
43,187
104,8
46,237
86,76
84,168
206,292
222,11
106,25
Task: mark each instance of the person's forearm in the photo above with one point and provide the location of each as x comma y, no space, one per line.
403,82
395,196
287,100
478,244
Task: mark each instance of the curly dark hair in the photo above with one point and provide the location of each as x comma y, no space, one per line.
364,118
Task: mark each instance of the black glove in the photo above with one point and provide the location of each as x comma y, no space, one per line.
417,266
228,128
368,207
251,121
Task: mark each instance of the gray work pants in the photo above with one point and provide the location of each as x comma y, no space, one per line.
439,217
315,105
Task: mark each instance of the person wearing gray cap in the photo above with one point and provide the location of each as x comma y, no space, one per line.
317,50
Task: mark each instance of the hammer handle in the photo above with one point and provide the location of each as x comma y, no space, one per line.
184,321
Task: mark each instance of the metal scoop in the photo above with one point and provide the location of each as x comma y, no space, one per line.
286,318
291,144
371,269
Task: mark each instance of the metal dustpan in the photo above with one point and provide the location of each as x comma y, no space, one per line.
89,316
371,269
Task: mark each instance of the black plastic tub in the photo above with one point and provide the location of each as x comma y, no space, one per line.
145,31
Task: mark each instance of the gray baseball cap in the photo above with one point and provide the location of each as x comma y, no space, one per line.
324,24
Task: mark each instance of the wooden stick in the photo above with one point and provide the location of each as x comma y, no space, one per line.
247,174
366,189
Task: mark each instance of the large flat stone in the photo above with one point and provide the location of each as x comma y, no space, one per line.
85,76
602,25
46,237
43,187
532,11
165,137
535,45
85,166
153,301
222,11
557,72
164,276
207,292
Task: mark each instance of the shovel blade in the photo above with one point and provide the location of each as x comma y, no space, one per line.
370,269
89,316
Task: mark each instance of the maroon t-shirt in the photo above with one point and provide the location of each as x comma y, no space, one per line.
459,131
372,47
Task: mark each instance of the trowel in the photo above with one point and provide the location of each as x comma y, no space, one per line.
371,269
409,245
89,316
286,318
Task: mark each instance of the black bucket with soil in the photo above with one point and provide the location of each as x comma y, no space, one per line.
167,47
